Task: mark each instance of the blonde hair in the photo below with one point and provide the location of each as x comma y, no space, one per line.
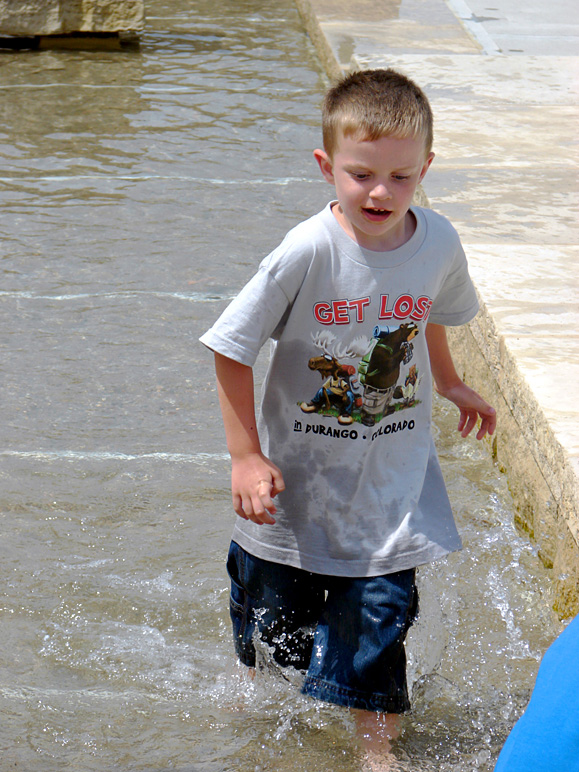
371,104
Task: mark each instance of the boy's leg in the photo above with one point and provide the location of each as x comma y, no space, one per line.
375,732
359,659
276,603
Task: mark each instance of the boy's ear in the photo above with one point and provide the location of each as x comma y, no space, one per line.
325,164
426,166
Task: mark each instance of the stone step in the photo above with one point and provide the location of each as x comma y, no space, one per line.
40,18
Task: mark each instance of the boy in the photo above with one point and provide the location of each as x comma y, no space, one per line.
355,300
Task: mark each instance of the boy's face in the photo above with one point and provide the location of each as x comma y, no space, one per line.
375,181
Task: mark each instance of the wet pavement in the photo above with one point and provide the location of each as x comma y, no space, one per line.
503,79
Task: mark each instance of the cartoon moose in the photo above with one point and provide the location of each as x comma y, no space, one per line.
337,389
380,368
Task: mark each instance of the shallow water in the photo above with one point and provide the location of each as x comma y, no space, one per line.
138,190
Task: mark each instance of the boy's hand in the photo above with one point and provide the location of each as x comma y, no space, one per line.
472,407
255,482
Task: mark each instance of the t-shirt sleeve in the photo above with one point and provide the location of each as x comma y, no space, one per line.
262,306
456,301
249,320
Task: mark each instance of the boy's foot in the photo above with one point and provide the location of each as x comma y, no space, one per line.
345,419
308,407
376,731
378,762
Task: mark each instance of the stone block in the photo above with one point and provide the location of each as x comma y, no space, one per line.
545,506
30,18
566,571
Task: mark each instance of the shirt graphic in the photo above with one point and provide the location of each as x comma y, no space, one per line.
371,388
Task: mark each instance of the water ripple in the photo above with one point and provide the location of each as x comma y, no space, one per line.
74,455
197,297
283,181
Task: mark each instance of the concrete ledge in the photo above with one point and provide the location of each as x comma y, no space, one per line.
538,469
32,18
525,368
318,38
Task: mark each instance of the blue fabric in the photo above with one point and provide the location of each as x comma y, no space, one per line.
546,737
346,633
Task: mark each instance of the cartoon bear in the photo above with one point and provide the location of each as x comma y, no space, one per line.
379,370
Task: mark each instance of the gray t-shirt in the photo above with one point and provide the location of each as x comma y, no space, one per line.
346,402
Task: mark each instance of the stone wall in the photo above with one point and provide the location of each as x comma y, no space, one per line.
532,459
28,18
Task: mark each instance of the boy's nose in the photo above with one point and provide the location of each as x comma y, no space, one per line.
380,191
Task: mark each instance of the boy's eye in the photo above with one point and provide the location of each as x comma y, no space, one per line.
360,175
400,177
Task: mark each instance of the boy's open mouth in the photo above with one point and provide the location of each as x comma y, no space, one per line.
376,214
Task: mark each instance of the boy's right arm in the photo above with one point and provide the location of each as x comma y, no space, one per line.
255,480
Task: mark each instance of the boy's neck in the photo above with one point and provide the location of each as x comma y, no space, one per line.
392,241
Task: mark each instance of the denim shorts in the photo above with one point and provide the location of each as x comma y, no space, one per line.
347,634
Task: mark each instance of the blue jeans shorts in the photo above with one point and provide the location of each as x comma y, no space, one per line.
347,634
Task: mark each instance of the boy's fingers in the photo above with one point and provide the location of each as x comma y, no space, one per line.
468,428
260,515
254,506
267,490
488,425
468,424
254,501
265,501
238,507
247,508
468,419
483,428
491,420
278,484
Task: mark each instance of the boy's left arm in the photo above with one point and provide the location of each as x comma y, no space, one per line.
471,405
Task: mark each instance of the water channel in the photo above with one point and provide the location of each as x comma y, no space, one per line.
138,191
